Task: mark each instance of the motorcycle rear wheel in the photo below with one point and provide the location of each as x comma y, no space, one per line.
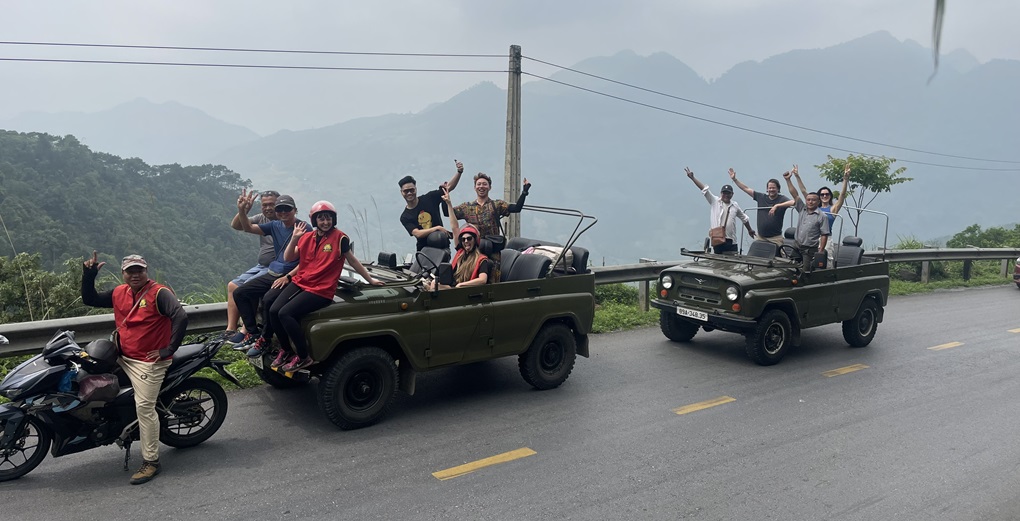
27,452
192,412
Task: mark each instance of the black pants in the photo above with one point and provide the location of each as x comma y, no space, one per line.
727,247
286,307
247,297
807,256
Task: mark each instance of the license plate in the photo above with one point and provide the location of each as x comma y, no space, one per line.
690,313
256,361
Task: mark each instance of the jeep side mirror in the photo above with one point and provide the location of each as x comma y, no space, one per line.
444,273
387,259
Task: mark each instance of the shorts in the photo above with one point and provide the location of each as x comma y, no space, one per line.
256,271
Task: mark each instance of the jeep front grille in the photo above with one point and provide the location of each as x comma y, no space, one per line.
700,281
698,295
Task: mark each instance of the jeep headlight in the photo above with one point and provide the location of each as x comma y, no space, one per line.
732,293
666,282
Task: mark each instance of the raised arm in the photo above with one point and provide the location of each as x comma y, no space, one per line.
842,193
796,173
742,186
516,207
89,297
290,253
690,174
452,183
454,225
789,186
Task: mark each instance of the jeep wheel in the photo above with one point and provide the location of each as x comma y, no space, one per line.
359,389
859,330
676,328
549,360
771,339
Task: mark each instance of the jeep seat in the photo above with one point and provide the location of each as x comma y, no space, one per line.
850,252
790,239
523,243
506,261
526,267
437,250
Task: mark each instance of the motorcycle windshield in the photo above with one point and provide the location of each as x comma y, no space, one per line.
28,375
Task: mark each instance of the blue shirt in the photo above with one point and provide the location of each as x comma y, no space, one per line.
281,236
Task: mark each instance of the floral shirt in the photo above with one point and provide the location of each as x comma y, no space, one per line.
485,217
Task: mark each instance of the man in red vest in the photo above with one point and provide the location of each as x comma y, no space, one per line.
150,326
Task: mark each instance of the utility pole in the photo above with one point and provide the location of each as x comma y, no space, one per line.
512,171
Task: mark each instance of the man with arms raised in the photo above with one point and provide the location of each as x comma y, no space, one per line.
421,215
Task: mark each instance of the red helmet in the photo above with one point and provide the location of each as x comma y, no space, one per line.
468,230
322,206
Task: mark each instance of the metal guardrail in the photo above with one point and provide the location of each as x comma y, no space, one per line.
29,337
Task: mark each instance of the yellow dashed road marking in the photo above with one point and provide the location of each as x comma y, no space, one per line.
844,370
1017,330
945,346
467,468
704,405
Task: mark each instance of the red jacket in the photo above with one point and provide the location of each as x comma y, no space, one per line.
141,327
478,264
320,264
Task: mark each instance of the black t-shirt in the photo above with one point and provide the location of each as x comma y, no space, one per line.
486,268
425,215
770,225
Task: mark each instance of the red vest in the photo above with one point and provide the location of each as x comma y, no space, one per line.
320,264
141,328
474,274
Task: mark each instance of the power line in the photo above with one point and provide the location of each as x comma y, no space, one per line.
247,66
777,122
759,132
241,49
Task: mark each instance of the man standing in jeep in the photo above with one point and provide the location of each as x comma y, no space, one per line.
421,215
812,227
771,208
723,214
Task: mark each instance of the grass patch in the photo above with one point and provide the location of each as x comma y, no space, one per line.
615,316
901,287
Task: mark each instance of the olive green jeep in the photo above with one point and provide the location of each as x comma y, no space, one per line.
373,340
770,299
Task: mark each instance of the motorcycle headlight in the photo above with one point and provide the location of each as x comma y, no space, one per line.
732,293
10,393
666,282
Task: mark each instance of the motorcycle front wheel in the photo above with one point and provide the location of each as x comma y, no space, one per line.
191,412
26,451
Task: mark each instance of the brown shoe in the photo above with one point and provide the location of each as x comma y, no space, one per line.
145,474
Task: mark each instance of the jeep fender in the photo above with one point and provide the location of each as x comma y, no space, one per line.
570,320
789,307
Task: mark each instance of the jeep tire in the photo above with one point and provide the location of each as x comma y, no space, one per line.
550,358
359,388
859,330
676,328
771,339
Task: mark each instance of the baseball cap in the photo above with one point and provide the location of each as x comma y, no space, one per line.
725,188
133,260
285,200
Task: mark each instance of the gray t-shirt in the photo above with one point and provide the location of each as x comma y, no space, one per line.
769,225
267,253
811,226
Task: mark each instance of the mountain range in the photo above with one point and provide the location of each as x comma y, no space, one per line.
619,152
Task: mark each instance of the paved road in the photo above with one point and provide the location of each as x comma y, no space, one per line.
919,434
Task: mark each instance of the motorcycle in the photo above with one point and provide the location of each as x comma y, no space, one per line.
71,400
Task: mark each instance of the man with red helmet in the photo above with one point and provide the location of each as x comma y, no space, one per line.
320,256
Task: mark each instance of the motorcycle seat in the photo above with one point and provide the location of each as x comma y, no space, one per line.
187,351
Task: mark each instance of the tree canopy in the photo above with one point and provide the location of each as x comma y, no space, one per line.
60,200
869,176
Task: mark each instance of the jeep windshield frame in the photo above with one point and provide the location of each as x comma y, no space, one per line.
578,229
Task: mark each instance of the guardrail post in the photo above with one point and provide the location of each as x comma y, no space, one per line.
1005,269
966,269
642,292
925,271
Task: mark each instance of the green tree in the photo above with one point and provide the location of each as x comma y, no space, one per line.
869,176
994,237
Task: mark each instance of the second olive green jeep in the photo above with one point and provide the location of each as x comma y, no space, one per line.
769,299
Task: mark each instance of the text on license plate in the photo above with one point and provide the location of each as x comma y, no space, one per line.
256,361
690,313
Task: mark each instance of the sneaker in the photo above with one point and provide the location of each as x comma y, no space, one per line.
247,341
227,335
258,347
145,474
282,357
296,364
236,338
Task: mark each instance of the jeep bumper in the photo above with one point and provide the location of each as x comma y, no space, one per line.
715,320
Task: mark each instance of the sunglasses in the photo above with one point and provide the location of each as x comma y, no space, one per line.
467,238
408,191
284,209
824,194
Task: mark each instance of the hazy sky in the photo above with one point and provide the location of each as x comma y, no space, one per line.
710,36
